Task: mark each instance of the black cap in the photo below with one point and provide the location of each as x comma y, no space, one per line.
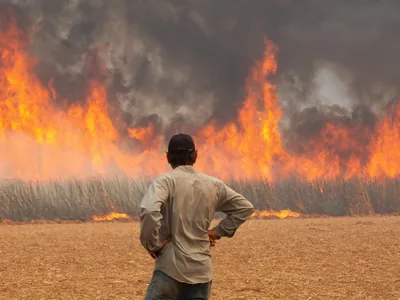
181,143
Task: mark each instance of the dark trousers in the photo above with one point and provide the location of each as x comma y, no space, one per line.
163,287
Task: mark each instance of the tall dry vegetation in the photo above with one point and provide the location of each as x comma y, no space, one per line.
80,200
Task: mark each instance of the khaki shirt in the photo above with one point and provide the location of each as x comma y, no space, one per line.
179,206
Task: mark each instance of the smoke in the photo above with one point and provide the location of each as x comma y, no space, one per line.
181,63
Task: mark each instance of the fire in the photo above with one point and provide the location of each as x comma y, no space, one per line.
336,151
281,214
248,148
385,160
41,139
141,134
113,216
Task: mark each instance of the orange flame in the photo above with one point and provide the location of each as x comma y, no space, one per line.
141,134
281,214
247,150
42,140
385,160
113,216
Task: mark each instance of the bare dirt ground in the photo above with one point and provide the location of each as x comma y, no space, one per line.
341,258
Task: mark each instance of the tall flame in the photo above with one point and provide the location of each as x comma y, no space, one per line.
385,147
42,139
248,148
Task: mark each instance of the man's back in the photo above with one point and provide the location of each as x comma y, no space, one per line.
187,200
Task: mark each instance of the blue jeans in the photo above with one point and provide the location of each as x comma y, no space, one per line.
163,287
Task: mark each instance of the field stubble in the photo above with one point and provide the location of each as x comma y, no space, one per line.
330,258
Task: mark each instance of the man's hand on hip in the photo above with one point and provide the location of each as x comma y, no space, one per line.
212,235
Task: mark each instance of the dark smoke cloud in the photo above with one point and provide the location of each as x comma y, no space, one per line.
182,63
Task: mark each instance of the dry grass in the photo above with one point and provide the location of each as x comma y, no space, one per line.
334,258
80,200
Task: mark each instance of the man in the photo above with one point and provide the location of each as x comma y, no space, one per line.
176,214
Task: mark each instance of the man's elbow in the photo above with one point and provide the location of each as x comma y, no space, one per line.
249,211
245,212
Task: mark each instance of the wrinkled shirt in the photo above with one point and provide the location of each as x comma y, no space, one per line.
179,207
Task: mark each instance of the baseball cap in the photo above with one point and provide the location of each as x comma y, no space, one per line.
181,143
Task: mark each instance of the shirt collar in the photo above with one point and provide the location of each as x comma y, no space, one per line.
187,169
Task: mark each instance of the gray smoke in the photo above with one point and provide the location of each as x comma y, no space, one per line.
180,63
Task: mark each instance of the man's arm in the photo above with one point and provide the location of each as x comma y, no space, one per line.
237,208
150,215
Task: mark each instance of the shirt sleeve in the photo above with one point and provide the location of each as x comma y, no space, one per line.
237,208
150,214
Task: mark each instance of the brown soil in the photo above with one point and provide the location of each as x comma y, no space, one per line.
330,258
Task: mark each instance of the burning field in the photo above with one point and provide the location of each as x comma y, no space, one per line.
79,139
68,157
293,103
44,137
